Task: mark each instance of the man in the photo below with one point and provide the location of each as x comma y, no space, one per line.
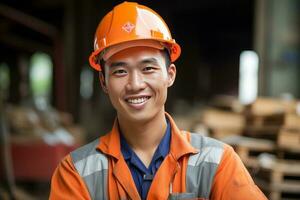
145,156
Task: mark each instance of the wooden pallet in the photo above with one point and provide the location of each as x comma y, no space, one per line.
269,106
227,103
280,180
292,121
259,127
249,148
224,133
218,119
265,120
289,139
269,132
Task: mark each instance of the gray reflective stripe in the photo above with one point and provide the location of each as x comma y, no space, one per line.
202,166
92,166
97,184
207,154
85,151
181,196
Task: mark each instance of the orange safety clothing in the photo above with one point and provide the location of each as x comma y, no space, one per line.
229,180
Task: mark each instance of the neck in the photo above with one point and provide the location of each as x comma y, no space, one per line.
144,135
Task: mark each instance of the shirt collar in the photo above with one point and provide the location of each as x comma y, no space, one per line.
161,151
164,145
125,148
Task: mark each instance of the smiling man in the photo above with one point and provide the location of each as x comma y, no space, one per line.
145,155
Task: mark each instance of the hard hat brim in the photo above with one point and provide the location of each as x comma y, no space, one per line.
173,48
112,50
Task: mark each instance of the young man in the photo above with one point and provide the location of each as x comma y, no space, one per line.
145,156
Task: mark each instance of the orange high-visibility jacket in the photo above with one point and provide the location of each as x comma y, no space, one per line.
196,167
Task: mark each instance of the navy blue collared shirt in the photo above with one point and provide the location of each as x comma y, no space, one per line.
142,175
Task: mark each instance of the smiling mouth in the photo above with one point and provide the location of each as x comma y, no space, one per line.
138,100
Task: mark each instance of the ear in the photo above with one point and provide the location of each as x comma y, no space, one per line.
171,74
102,82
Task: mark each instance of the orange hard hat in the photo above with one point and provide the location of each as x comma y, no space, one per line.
131,22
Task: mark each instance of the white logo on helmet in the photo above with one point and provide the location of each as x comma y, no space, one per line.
128,27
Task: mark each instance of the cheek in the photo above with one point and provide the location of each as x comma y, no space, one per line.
160,86
159,81
114,90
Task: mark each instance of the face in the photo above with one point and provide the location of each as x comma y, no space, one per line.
137,81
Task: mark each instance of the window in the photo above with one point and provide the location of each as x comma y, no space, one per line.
41,77
86,83
248,83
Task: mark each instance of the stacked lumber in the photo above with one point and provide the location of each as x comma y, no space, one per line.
222,123
249,149
266,135
289,140
267,116
280,179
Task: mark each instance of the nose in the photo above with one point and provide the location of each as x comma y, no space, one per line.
136,82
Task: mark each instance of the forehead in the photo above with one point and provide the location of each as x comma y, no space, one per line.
135,55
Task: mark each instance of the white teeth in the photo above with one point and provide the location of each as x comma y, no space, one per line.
137,100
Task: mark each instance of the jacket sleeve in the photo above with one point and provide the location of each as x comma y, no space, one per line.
66,183
232,180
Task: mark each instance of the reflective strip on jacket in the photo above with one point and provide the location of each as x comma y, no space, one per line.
196,167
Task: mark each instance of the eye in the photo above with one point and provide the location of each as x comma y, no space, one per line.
148,68
120,72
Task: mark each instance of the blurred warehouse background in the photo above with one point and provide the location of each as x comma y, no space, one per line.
238,80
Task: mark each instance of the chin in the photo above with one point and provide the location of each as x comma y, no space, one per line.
139,116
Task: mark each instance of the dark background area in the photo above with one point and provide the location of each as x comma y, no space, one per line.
212,35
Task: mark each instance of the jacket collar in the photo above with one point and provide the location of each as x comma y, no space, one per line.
179,146
110,143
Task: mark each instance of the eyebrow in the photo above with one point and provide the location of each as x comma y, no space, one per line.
145,61
117,64
149,61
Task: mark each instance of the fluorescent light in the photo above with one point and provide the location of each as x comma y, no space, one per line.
248,80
